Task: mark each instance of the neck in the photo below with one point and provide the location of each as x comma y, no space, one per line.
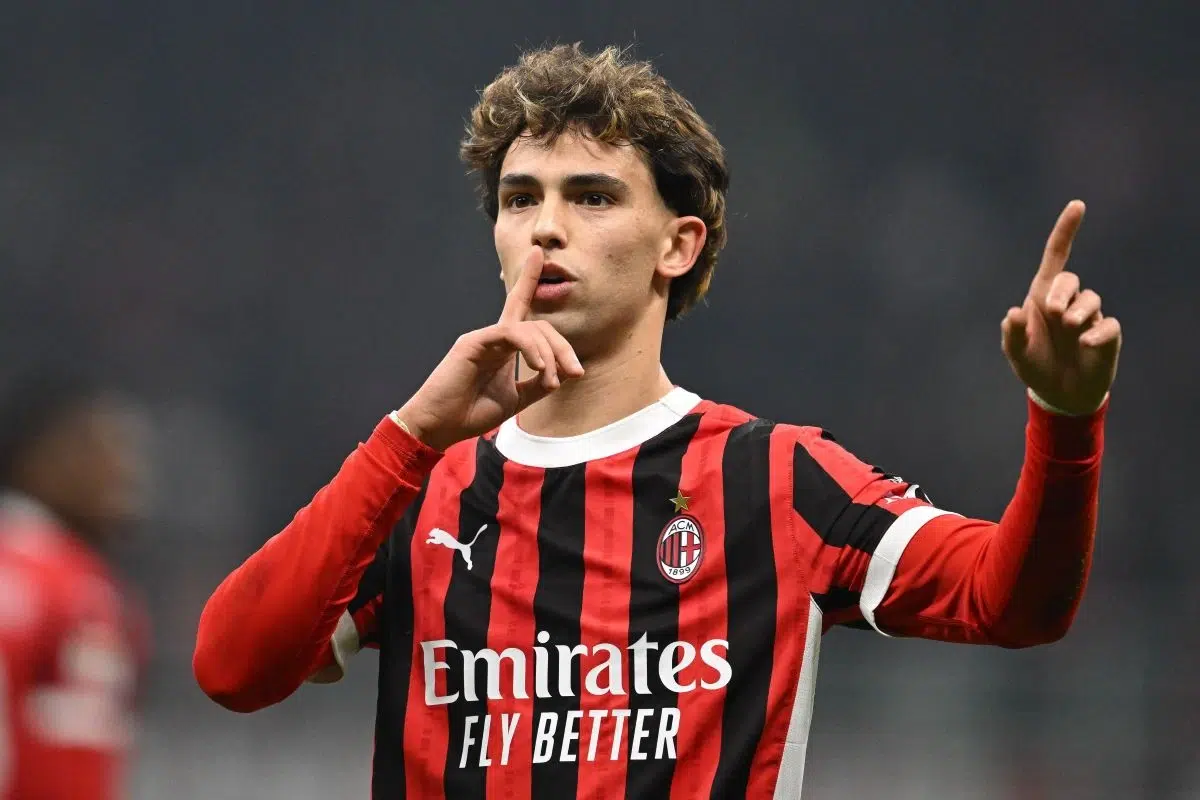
613,386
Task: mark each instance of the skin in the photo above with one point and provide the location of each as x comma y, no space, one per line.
593,357
87,469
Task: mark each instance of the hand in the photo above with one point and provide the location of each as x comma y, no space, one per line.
1058,342
475,386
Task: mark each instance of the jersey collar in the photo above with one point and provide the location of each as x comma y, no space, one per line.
549,452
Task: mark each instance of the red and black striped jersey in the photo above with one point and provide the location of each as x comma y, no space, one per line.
634,612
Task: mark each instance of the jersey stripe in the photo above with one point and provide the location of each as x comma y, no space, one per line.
749,559
557,607
702,611
831,522
424,727
792,618
825,504
653,600
608,543
467,610
512,625
390,629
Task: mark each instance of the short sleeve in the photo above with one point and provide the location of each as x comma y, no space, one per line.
855,521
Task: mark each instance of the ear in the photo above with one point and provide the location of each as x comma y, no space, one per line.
684,239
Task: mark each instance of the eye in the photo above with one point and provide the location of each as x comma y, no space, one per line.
595,199
518,201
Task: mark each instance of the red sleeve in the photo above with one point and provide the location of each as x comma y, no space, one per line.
905,567
268,626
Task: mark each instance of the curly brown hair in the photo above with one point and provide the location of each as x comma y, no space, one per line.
613,99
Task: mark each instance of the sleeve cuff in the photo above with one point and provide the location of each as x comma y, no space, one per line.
403,454
1064,437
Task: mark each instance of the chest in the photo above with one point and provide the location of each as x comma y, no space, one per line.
592,557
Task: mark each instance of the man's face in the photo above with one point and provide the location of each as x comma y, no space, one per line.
595,211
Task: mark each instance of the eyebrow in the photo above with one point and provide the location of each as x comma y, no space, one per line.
583,180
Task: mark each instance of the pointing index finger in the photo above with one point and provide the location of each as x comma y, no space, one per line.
1058,246
516,306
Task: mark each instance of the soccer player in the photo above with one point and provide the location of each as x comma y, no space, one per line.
585,581
71,640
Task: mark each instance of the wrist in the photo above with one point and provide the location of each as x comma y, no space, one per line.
1046,405
415,424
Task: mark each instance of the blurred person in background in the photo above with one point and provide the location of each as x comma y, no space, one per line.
621,591
72,638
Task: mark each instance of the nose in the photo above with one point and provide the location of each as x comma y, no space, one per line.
549,229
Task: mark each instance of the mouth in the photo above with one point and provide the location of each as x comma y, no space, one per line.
552,275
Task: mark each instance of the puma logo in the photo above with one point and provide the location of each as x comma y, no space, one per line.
446,539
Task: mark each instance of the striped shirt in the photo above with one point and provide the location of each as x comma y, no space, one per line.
634,612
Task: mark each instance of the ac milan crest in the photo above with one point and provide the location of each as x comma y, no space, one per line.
680,549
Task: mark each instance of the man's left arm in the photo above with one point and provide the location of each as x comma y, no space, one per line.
916,570
1015,583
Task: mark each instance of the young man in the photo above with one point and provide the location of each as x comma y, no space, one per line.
70,639
584,581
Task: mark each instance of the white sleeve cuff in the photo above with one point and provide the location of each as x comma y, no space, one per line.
1056,410
345,640
882,568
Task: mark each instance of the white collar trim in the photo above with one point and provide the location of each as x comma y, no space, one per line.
617,437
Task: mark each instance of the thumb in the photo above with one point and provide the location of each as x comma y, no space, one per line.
1014,334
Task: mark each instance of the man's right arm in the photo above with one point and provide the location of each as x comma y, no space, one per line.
268,626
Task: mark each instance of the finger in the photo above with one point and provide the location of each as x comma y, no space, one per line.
1083,311
1062,292
516,305
504,340
529,391
1105,334
1014,335
1058,246
564,354
549,376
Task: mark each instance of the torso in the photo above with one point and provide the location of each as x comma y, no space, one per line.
633,624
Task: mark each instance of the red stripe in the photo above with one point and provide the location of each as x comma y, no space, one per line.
703,613
511,624
426,728
608,552
791,618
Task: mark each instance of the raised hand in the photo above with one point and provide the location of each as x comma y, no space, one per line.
1058,342
475,386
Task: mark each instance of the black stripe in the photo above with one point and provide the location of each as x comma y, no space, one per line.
467,612
829,510
751,579
836,599
557,610
393,633
653,600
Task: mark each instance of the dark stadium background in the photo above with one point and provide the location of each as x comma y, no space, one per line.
254,213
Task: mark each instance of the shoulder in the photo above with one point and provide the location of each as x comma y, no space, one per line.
806,455
725,418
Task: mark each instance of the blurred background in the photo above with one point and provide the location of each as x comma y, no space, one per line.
254,214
